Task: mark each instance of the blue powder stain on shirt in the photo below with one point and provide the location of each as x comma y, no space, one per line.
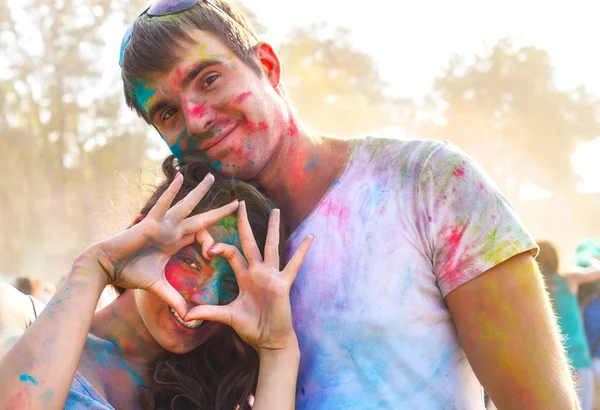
27,378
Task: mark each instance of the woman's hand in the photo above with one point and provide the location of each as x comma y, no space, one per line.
136,258
261,314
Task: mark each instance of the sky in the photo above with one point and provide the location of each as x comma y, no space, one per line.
412,41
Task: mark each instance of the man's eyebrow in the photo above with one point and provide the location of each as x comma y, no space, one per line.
198,68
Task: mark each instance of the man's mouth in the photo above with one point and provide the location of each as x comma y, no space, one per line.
220,133
192,324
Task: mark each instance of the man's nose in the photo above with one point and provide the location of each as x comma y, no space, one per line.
198,117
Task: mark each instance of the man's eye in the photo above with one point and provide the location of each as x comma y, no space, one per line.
167,114
210,79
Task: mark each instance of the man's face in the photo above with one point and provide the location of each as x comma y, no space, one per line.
213,105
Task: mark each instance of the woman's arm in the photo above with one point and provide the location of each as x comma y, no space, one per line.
278,371
38,370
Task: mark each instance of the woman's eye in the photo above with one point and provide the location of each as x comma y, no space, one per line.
210,79
190,262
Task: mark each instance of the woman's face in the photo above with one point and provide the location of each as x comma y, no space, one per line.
200,282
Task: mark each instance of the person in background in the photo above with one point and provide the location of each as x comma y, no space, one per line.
563,287
588,254
36,288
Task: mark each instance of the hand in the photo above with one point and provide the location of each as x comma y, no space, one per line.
261,314
136,258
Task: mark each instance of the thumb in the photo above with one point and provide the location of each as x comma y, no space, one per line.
213,313
167,293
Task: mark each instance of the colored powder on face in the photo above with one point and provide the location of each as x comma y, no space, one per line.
144,95
198,110
26,378
242,97
182,146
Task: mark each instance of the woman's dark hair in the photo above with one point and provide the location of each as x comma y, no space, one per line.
548,260
222,373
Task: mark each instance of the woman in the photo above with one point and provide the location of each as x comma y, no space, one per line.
163,342
563,288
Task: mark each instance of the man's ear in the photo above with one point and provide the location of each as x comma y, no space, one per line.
269,63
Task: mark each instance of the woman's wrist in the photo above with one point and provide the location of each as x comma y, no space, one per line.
92,267
288,350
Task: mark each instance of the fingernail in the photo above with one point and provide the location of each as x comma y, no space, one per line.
211,249
235,200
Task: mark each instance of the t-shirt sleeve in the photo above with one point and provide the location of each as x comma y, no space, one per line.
470,225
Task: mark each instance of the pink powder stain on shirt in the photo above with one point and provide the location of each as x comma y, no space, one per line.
339,212
454,252
459,172
242,97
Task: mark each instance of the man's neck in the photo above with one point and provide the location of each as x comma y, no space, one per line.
301,171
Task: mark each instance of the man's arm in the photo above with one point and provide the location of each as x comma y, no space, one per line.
508,330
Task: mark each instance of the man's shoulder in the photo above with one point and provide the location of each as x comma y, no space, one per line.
403,155
390,148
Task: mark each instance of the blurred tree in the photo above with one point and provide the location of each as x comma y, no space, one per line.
504,108
54,110
335,88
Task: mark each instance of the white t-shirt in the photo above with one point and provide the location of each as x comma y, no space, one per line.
406,223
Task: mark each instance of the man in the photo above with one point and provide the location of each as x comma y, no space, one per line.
421,283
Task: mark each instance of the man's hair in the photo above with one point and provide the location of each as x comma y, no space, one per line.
155,41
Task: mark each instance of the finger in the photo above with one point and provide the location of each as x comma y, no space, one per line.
187,204
166,292
206,241
295,262
234,257
247,240
161,207
202,221
272,243
186,240
214,313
